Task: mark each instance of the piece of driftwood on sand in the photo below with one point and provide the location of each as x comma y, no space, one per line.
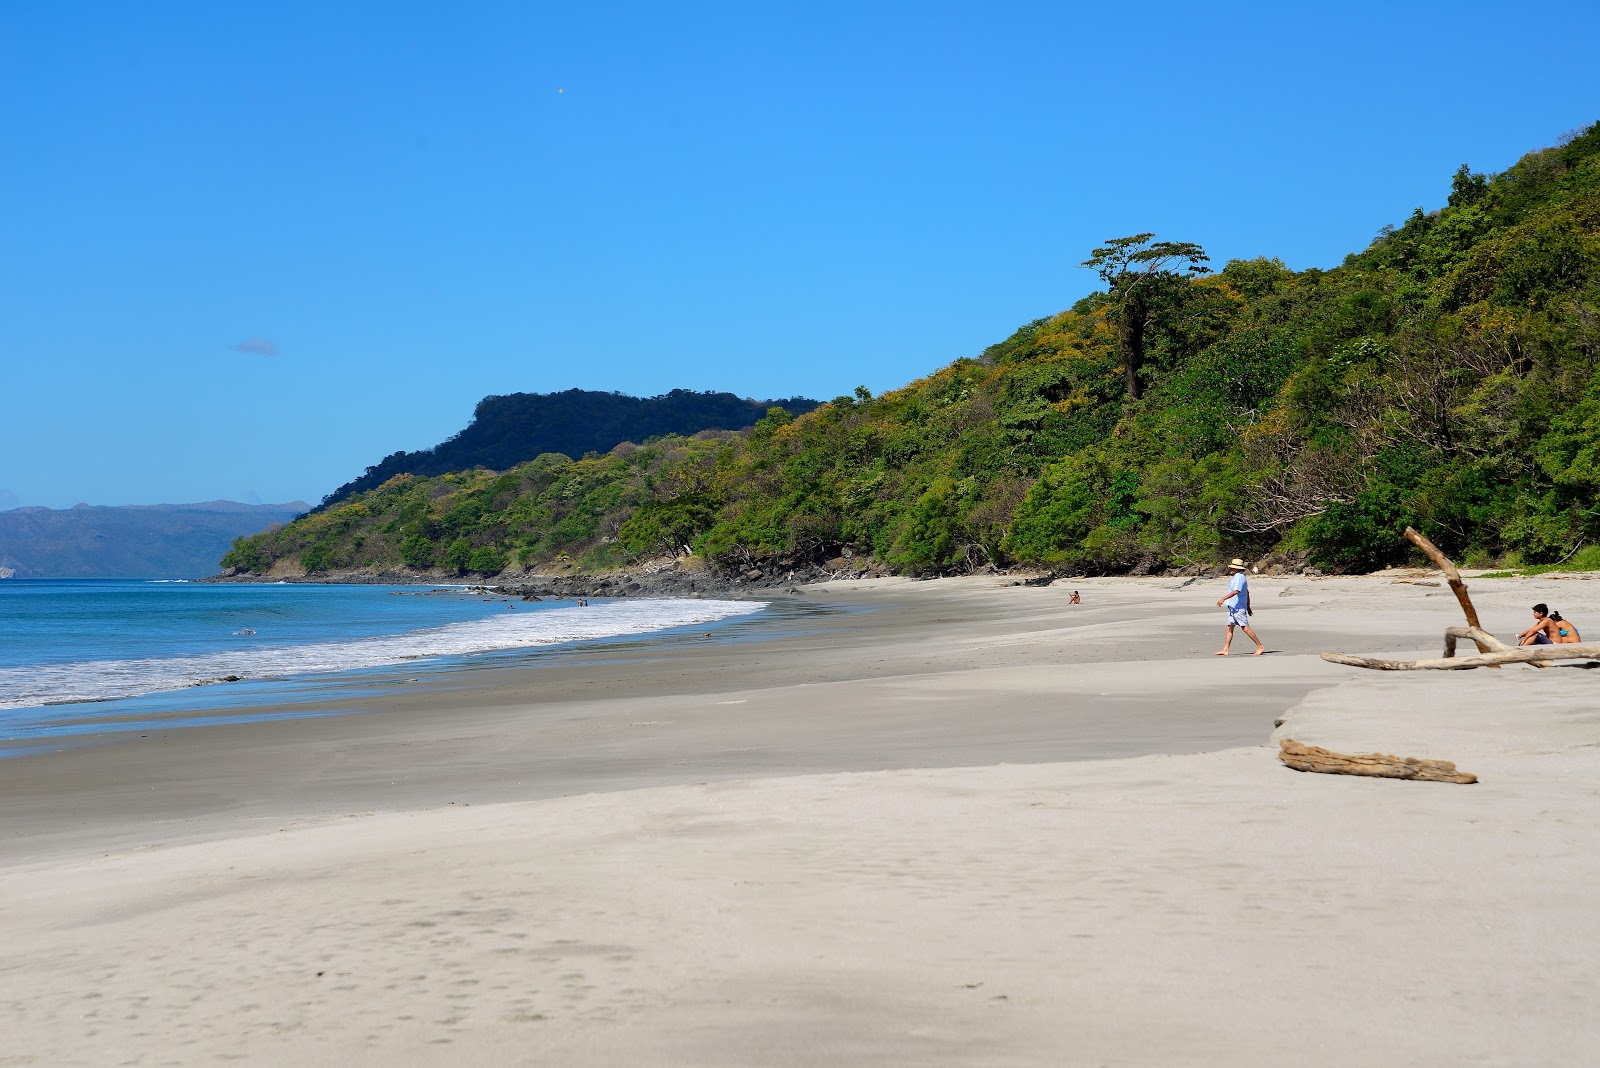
1537,655
1457,586
1486,642
1378,765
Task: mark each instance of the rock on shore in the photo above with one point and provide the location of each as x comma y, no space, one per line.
659,579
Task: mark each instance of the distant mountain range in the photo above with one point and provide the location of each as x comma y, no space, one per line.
512,429
130,541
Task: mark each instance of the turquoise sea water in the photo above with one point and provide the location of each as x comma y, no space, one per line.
78,642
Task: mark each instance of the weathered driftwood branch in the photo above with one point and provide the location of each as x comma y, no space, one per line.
1442,562
1486,641
1528,654
1315,758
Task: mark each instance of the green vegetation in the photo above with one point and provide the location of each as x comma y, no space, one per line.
1447,377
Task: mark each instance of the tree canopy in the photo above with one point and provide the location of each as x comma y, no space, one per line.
1139,272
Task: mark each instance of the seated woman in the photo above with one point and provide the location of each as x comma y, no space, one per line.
1566,633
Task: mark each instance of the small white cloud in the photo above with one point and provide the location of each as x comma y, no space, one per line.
8,500
260,346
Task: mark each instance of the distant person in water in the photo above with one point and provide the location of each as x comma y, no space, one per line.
1075,598
1237,603
1549,629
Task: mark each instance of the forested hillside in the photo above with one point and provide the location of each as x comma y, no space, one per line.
508,430
1447,377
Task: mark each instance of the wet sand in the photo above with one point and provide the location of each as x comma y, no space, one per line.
957,828
899,674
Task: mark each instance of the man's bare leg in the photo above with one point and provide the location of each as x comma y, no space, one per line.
1226,642
1251,632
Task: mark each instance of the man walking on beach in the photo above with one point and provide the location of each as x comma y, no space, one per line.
1239,611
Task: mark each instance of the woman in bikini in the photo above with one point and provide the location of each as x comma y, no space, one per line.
1566,633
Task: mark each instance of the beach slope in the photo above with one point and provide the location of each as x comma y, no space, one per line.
1209,908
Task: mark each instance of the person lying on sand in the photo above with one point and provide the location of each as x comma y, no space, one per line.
1549,629
1239,611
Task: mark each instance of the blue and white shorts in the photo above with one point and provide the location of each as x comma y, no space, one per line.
1238,617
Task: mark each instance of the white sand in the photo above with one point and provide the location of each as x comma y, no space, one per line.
1213,908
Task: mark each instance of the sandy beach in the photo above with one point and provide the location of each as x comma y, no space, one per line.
946,822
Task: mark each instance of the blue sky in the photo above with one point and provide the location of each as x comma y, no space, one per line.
246,252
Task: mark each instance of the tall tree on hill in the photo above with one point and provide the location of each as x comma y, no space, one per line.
1134,268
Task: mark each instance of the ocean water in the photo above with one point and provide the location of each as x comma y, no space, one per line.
65,642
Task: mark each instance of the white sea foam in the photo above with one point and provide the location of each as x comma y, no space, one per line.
99,680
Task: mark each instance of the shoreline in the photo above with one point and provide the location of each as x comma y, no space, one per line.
567,724
972,825
772,578
655,579
260,688
952,671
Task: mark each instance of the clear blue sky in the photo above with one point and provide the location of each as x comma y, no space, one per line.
246,250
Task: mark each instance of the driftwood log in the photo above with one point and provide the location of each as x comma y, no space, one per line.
1537,655
1315,758
1486,642
1456,584
1458,587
